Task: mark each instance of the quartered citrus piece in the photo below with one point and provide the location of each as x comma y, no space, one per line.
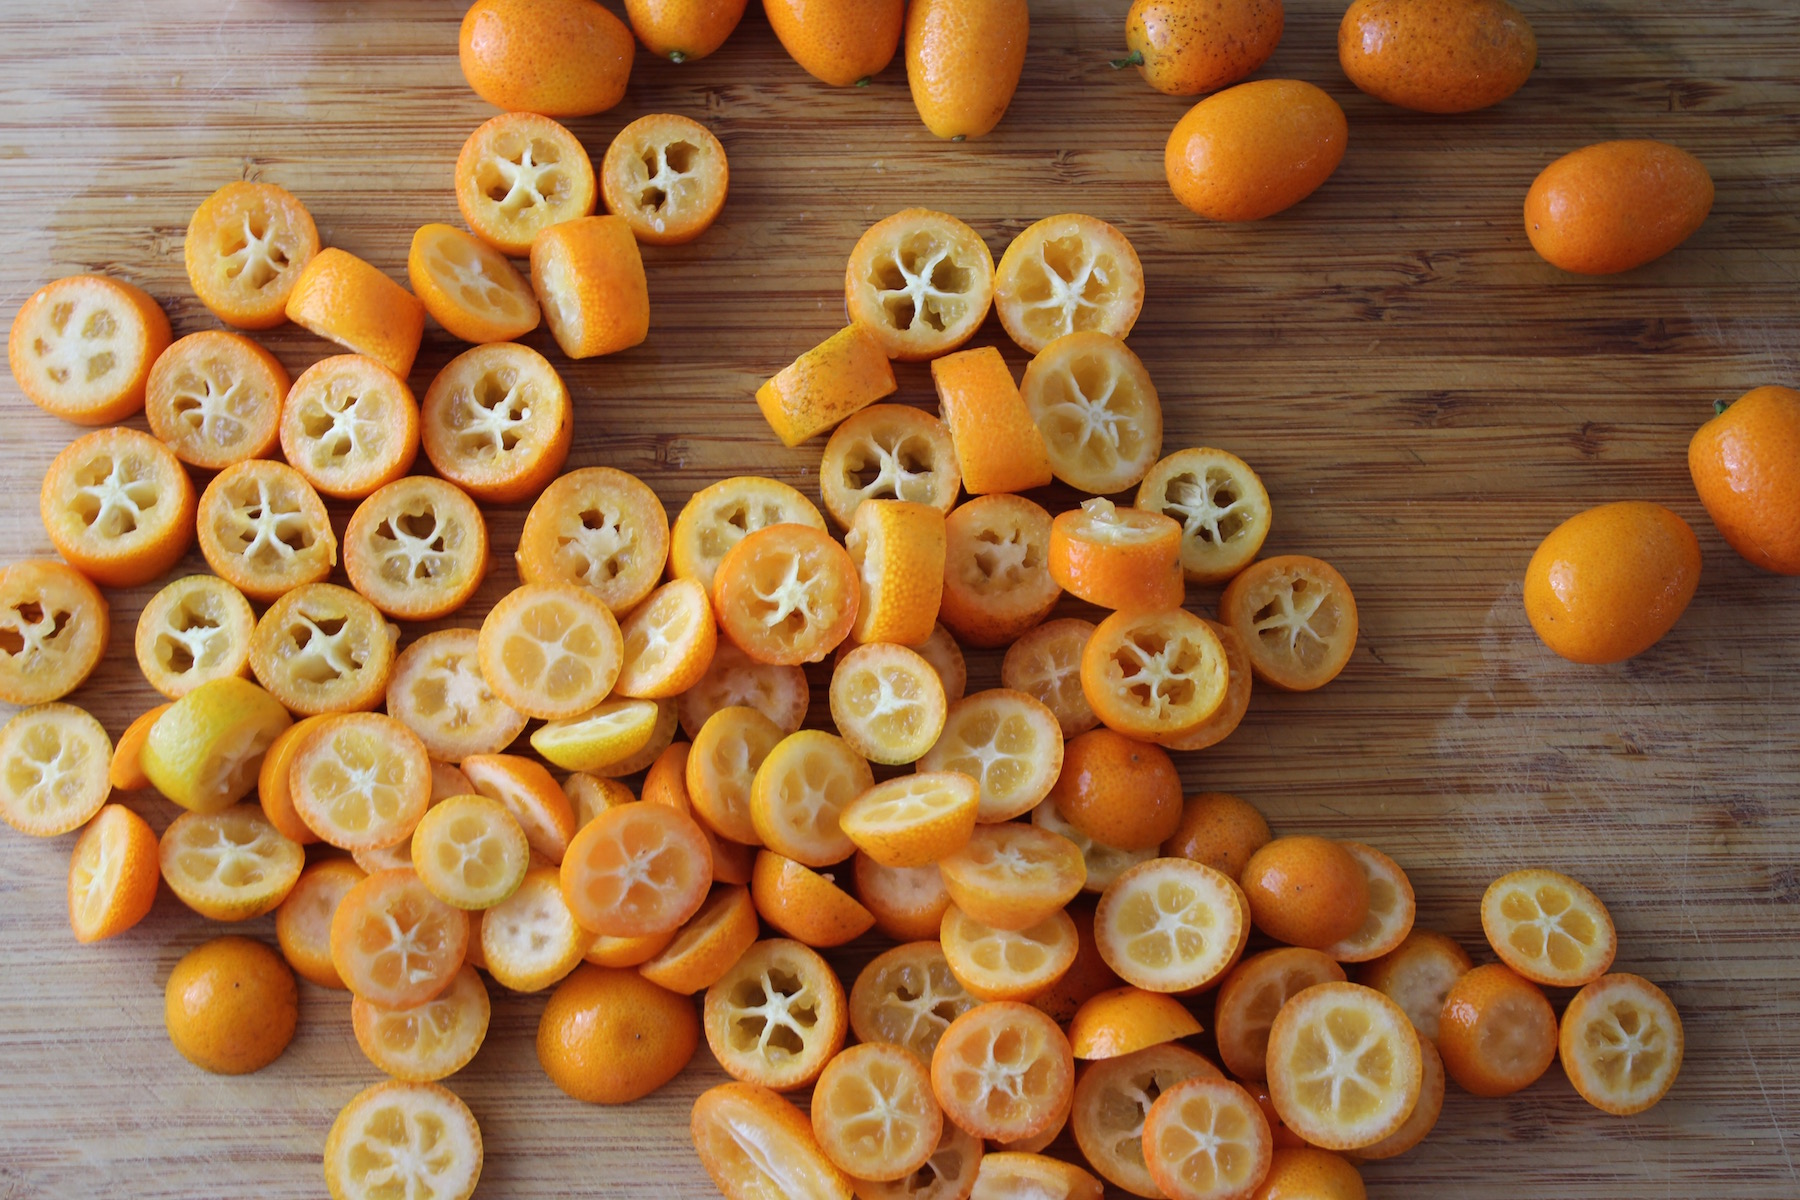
997,580
230,865
757,1146
531,939
118,507
667,176
1008,964
216,398
777,1016
81,348
438,692
898,548
550,650
906,903
1068,274
1621,1043
1497,1031
519,174
949,1172
394,943
1045,664
125,770
1297,618
1424,1116
303,919
470,851
1094,403
800,788
431,1041
112,874
921,282
1112,1098
1230,714
1391,908
1104,863
722,766
907,996
873,1112
54,765
205,752
636,869
1154,674
708,945
417,548
1122,1021
1221,504
468,287
786,594
53,631
1009,1173
531,794
913,820
599,528
998,447
670,640
194,630
1547,927
1206,1139
1253,993
607,734
496,422
1118,558
360,781
887,702
589,276
1417,975
323,648
888,452
804,904
343,299
1171,925
264,530
838,378
1003,1071
719,516
246,246
1344,1065
399,1138
1011,876
1006,741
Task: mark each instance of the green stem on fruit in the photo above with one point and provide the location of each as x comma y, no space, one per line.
677,56
1134,59
1719,407
864,81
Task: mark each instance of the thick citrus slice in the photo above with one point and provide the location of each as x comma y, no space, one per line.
786,594
998,448
721,769
1171,925
54,765
1391,908
398,1138
194,630
470,851
907,996
112,874
719,516
230,865
417,548
1344,1065
303,920
468,287
348,301
667,176
1118,558
1008,964
216,399
438,692
1068,274
997,580
905,903
81,348
888,702
360,781
836,379
1206,1139
1253,993
606,735
888,452
550,650
1094,403
431,1041
1621,1043
1417,975
1045,664
264,530
322,648
246,246
807,906
798,792
913,820
394,943
531,940
1497,1032
589,276
921,282
205,752
1112,1098
636,869
873,1112
519,174
1154,674
1003,1070
708,945
1011,876
118,507
1122,1021
1006,741
1221,504
496,422
1547,927
53,631
599,528
898,548
670,640
777,1016
1297,618
757,1146
1230,714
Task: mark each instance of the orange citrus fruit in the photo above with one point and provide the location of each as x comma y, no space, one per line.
1219,830
113,873
469,287
372,1146
1613,206
231,1006
1548,928
125,770
53,631
417,548
1006,741
873,1112
563,58
1171,925
600,528
1441,56
1417,975
888,452
802,785
1125,1020
263,529
683,30
757,1146
1154,674
1497,1032
589,278
1206,1139
997,582
1391,908
303,919
1112,1098
913,820
1609,582
1296,617
394,943
839,377
1252,150
1306,891
963,62
612,1036
786,594
805,904
921,282
1230,714
1008,964
906,904
1120,792
230,865
1045,664
1117,558
1253,993
428,1042
1003,1071
707,946
1621,1043
496,422
1221,504
343,299
1185,47
1068,273
550,650
777,1016
437,690
323,648
194,630
1743,465
907,996
839,42
1345,1069
1099,413
998,447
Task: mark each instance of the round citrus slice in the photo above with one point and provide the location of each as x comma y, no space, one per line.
54,766
438,692
1094,403
118,507
1113,1096
470,851
1008,964
1297,618
1003,1070
873,1112
1344,1065
194,630
53,631
1118,558
777,1016
1151,674
1420,1122
804,904
1417,975
719,516
323,648
468,287
431,1041
81,348
1171,925
1011,876
1621,1043
600,528
1206,1139
913,820
948,1174
888,702
374,1147
1391,908
216,398
637,869
531,940
112,874
1230,714
1547,927
1008,1173
997,580
921,282
907,996
786,594
519,174
1221,504
1068,274
734,679
531,794
667,176
550,650
205,752
1045,664
394,943
263,529
757,1146
898,549
360,781
303,920
231,865
246,246
1253,993
888,452
417,548
1007,742
670,640
802,785
496,422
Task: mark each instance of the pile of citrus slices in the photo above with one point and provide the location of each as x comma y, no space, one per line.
1056,902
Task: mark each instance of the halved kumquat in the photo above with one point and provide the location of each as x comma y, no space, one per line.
1391,908
53,631
531,940
777,1016
1094,403
589,277
431,1040
1171,925
360,781
550,650
805,904
194,630
436,690
417,548
1251,996
907,997
836,379
469,287
395,944
1548,928
786,594
113,873
636,869
246,246
1154,674
323,648
303,919
873,1112
1008,743
670,640
667,176
1008,964
1221,504
1344,1065
204,753
1621,1043
887,702
1068,274
118,507
470,851
921,282
496,422
264,530
719,516
898,548
518,174
125,769
1206,1139
997,582
757,1146
81,348
913,820
229,865
888,452
216,398
1011,875
998,448
1003,1070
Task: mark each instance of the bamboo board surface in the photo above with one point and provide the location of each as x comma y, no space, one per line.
1423,396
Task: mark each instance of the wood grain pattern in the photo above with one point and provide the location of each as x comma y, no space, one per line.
1424,397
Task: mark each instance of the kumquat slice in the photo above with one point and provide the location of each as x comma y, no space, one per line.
113,873
1007,1173
786,594
888,452
887,702
431,1041
913,820
194,630
777,1016
708,945
1045,664
1297,618
1221,504
907,996
1230,714
374,1145
1113,1096
216,398
81,348
801,787
670,640
550,650
53,631
898,548
667,176
1008,964
1067,274
1391,908
360,781
836,379
599,528
921,282
118,507
264,530
721,769
611,733
1417,975
245,248
1154,674
949,1174
1003,1071
417,548
1497,1031
637,869
997,582
531,940
517,175
303,919
735,680
998,448
1344,1065
206,750
1547,927
719,516
905,903
1117,558
1094,403
437,691
1621,1043
323,648
230,865
395,944
1011,875
470,851
1171,925
1007,742
805,904
496,422
1206,1139
1104,863
757,1146
873,1112
468,287
125,770
55,760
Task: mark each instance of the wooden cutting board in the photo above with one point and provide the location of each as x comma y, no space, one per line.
1424,397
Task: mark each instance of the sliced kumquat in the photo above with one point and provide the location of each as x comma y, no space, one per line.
905,903
1152,674
997,582
264,530
1221,504
517,175
1344,1065
873,1112
1112,1098
431,1041
1003,1071
531,939
1621,1043
777,1016
1306,1171
531,794
805,904
618,953
437,691
836,379
1094,403
786,594
323,648
888,452
1206,1139
670,640
1045,664
470,851
1007,742
757,1146
1125,1020
599,528
1119,558
1012,876
113,873
53,631
666,783
921,282
798,792
887,702
946,658
1008,964
591,795
468,287
1297,618
636,869
550,650
1417,975
360,781
394,943
374,1144
417,548
246,246
709,945
606,735
206,751
118,507
274,777
898,548
913,820
194,630
1253,993
343,299
125,770
589,276
1497,1032
303,919
1306,891
998,447
216,399
1391,908
1104,863
230,865
496,422
947,1174
1067,274
907,997
1230,714
719,516
1087,976
721,769
1424,1116
1171,925
1010,1173
81,348
1547,927
667,176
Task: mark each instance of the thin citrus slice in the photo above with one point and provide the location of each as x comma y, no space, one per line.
417,548
231,865
246,246
54,765
394,943
670,640
1221,504
216,398
1391,908
735,680
1621,1043
907,996
1118,558
913,820
721,515
531,940
303,919
468,287
786,594
888,452
600,528
517,175
1011,876
997,582
873,1112
81,348
1113,1096
1003,1070
1008,964
1344,1065
887,702
550,650
205,752
194,630
1251,996
1045,664
777,1016
53,631
264,530
921,282
113,873
470,851
399,1138
636,869
1547,927
431,1041
1151,674
806,905
322,648
1171,925
1206,1139
1067,274
757,1146
360,781
496,422
1094,403
1297,618
798,792
667,176
438,692
1006,741
118,507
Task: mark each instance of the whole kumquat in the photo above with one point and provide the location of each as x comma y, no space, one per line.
1743,465
231,1006
1609,582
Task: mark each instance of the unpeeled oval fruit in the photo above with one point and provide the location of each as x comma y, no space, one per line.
1746,467
1185,47
1252,150
1437,56
556,58
963,61
1613,206
1609,582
